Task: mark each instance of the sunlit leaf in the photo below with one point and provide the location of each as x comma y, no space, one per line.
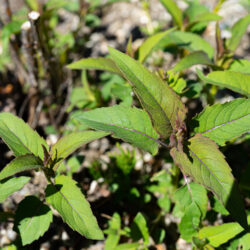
150,43
69,143
71,204
174,11
238,30
197,57
20,138
20,164
235,81
12,185
223,122
32,219
156,97
130,124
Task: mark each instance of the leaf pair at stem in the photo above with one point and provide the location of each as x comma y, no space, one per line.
163,116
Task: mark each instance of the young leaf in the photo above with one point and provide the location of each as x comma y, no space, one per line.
20,138
188,41
20,164
242,66
223,122
130,124
190,222
69,143
197,57
71,204
151,43
235,81
210,169
197,194
156,97
204,17
141,223
174,11
10,186
105,64
32,219
217,235
113,232
238,30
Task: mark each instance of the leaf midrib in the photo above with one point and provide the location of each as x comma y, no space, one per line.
125,128
223,124
20,141
145,88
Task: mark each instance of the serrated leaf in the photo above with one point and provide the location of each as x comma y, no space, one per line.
32,219
141,223
71,204
150,43
196,194
100,63
235,81
10,186
69,143
217,235
238,30
20,138
210,169
174,11
156,97
20,164
223,122
242,66
188,41
130,124
197,57
189,224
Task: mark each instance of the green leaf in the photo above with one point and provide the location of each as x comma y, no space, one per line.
71,204
210,169
223,122
105,64
189,224
156,97
32,219
174,11
128,246
204,17
130,124
188,41
20,164
197,57
113,232
10,186
141,223
238,30
235,81
242,66
217,235
20,138
245,241
196,194
151,43
69,143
